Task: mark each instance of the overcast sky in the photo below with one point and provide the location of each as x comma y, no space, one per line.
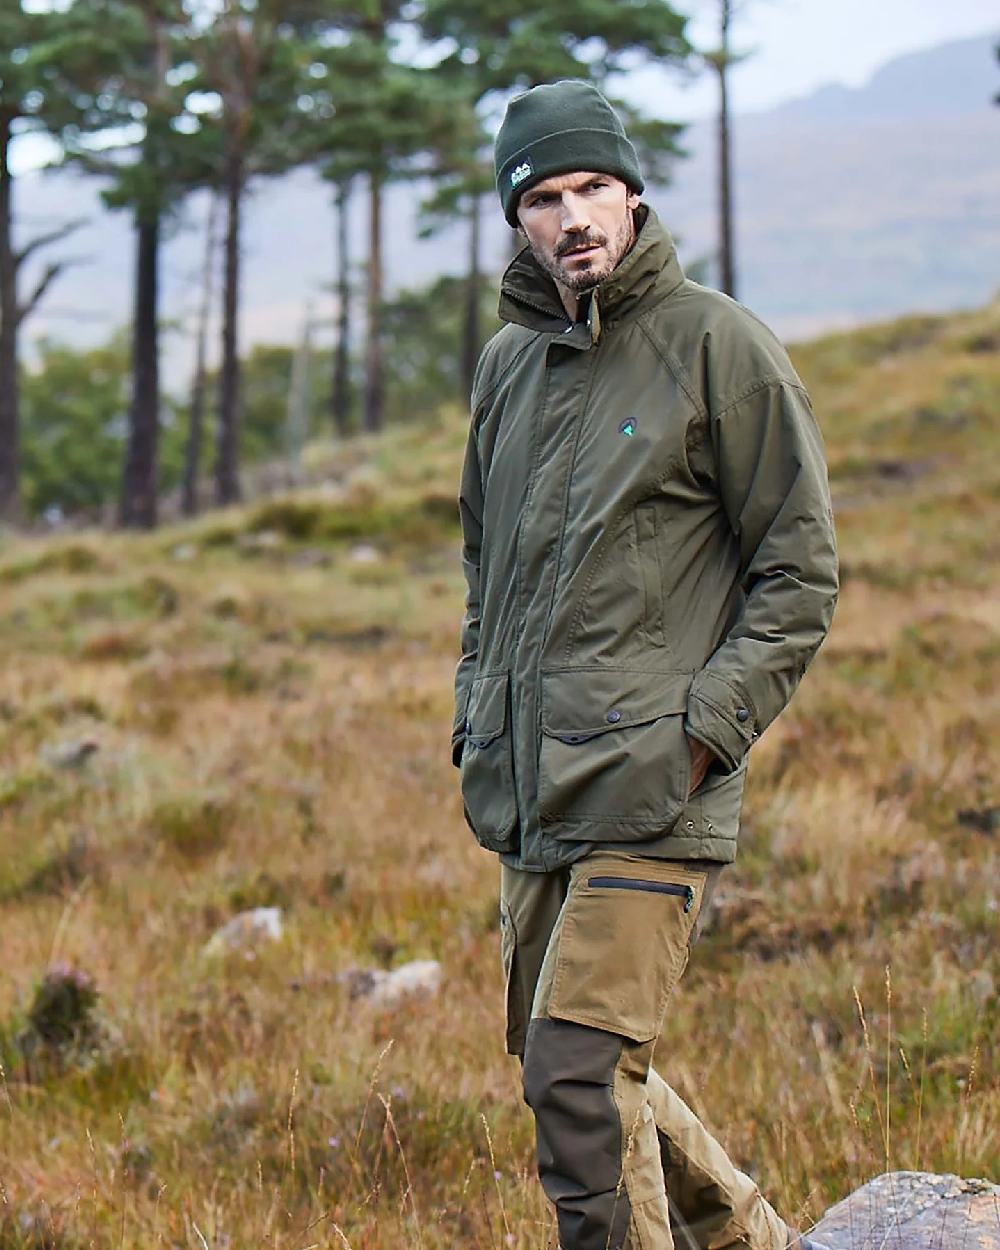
799,45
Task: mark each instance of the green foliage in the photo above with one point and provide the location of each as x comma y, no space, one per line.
509,45
16,787
191,823
266,382
74,558
424,363
74,422
304,519
62,1010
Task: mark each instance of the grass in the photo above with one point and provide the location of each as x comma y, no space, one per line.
269,691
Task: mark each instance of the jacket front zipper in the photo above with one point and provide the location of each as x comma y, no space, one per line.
685,892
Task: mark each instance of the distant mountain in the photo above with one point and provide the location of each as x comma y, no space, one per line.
852,204
855,204
953,78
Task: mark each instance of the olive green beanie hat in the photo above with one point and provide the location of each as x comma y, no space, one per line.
558,128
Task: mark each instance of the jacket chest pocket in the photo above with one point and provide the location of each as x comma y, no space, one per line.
613,751
488,791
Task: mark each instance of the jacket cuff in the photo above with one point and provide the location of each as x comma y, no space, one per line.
722,717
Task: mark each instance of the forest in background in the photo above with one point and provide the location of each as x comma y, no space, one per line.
159,99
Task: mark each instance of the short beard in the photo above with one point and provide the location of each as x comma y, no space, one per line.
585,279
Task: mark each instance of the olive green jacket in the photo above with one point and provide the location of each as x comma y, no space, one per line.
649,554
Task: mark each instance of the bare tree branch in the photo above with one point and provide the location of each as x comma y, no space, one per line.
52,271
51,236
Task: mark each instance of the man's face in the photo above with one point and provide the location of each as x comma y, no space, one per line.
579,226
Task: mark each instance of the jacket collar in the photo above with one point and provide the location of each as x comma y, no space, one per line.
649,272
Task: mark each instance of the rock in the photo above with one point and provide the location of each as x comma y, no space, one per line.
421,978
915,1211
184,551
246,931
70,754
311,558
365,553
261,540
228,602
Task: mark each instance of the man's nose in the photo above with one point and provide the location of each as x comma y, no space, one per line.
574,215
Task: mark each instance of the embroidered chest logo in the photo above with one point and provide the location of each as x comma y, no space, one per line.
519,173
628,428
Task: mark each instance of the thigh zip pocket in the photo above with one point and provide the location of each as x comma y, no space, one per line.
623,942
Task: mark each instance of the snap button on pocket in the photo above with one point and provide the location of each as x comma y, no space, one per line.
613,717
742,715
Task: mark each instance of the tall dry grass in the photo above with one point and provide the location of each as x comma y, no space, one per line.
268,712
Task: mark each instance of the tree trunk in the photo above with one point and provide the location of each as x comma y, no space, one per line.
299,400
227,484
374,383
727,261
340,398
137,506
10,451
470,328
196,418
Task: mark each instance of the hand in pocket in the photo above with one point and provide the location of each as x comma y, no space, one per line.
702,758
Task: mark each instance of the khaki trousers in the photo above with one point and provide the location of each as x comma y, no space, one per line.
591,955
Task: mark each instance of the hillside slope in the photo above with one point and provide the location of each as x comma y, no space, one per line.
253,710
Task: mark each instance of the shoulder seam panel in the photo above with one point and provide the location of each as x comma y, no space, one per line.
674,366
503,372
760,384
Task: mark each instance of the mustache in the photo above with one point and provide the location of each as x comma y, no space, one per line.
580,241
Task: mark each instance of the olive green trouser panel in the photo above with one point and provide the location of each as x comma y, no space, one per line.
568,1083
592,954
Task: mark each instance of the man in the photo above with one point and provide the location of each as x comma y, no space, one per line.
649,551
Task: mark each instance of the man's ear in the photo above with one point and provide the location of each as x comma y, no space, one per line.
632,200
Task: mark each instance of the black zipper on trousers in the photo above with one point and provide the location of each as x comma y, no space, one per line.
685,892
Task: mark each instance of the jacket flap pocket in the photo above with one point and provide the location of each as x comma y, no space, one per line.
579,703
486,716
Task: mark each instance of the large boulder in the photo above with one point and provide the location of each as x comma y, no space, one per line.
915,1211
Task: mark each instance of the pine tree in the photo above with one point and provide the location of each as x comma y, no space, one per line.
255,55
721,59
196,410
148,177
36,50
384,120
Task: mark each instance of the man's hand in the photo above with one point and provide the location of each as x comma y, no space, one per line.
701,760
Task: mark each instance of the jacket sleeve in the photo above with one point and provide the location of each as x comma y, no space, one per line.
470,504
773,486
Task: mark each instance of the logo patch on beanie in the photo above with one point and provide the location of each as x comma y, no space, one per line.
520,172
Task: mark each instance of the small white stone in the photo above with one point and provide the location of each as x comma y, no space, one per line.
247,930
421,978
71,754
